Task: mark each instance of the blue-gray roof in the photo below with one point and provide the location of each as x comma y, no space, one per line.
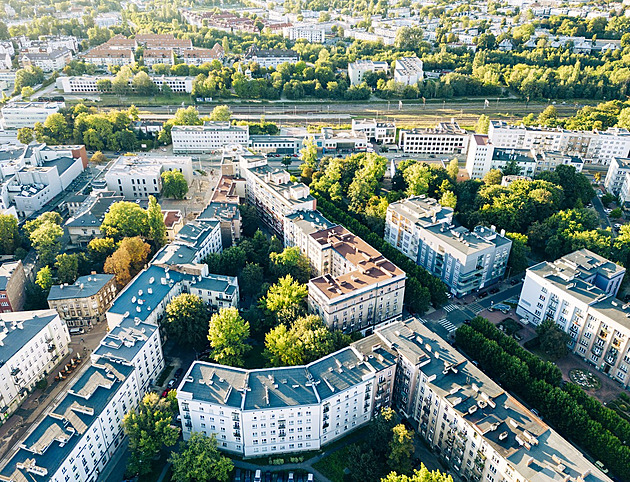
138,290
32,323
55,437
217,283
175,253
196,232
126,340
83,287
62,163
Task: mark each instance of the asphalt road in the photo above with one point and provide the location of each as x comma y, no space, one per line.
603,217
451,316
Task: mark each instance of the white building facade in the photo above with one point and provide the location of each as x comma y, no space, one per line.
208,137
26,114
32,343
408,70
578,292
447,138
617,170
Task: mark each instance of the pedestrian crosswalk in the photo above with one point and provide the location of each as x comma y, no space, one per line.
450,308
447,325
475,308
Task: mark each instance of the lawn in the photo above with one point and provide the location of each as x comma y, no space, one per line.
334,465
621,405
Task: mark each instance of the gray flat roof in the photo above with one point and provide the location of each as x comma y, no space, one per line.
31,323
83,287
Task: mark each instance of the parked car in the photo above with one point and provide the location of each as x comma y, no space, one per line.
248,476
483,294
290,477
179,372
237,475
171,383
513,282
165,393
617,226
267,476
494,291
258,476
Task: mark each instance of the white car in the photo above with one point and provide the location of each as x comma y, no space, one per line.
617,226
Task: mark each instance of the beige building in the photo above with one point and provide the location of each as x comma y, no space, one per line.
12,280
358,288
85,302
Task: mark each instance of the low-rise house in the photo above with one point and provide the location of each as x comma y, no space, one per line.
85,302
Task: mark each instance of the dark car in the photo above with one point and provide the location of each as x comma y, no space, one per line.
466,322
483,294
494,291
280,477
248,476
267,476
237,475
514,282
179,372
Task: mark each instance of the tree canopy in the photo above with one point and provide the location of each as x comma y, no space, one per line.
227,334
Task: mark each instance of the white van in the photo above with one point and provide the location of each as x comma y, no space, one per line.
257,476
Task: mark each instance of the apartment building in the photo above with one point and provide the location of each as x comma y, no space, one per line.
212,135
447,138
81,433
89,83
146,296
202,56
358,68
356,288
408,70
26,114
331,141
617,170
32,343
275,196
120,42
465,260
298,228
312,33
138,177
484,156
270,58
85,223
377,131
158,56
286,410
276,144
598,147
224,206
85,302
578,292
47,61
217,291
33,186
481,431
103,57
12,286
204,236
624,192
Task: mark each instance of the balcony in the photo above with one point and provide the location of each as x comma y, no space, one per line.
187,416
51,347
188,424
15,371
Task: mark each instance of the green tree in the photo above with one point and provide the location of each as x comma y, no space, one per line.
483,124
149,428
187,320
511,168
9,234
306,340
449,199
453,169
199,459
46,239
104,85
553,341
27,92
44,278
220,113
143,85
174,185
292,262
25,135
548,117
286,293
98,250
228,334
417,177
125,219
518,253
308,154
67,266
155,220
400,449
493,177
422,475
251,279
